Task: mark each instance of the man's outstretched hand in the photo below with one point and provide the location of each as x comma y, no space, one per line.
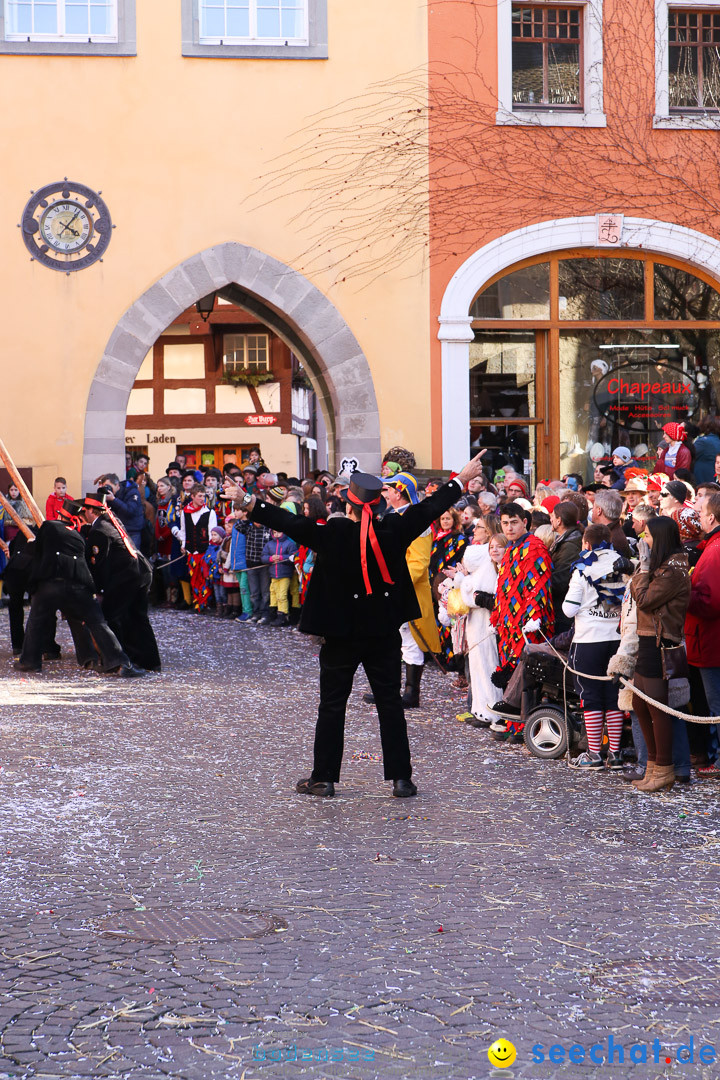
472,469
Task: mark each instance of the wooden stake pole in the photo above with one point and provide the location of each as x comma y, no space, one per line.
22,525
20,485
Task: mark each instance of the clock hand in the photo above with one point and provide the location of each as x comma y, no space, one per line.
67,227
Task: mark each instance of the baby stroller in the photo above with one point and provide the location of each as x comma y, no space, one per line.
551,707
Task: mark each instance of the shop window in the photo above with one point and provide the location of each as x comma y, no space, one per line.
522,294
100,27
601,289
681,295
246,352
546,56
276,29
694,59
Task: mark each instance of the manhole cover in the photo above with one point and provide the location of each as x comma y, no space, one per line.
686,982
178,927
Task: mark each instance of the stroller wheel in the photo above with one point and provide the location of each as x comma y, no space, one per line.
545,732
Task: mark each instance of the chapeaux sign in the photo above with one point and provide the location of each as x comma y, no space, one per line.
646,395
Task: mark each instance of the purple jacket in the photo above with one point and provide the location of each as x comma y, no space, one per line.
280,546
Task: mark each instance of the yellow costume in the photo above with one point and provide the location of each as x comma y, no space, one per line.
418,561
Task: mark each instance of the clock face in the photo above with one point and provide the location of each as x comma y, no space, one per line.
66,226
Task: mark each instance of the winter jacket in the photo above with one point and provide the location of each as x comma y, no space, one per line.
280,546
682,461
594,597
706,449
662,601
53,505
702,625
212,559
128,507
564,552
236,560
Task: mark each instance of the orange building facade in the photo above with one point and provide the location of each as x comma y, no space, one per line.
575,210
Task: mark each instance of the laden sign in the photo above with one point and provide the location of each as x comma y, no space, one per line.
646,396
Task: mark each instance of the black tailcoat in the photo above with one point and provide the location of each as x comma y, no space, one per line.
337,604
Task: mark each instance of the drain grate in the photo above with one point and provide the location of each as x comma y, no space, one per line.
662,981
179,927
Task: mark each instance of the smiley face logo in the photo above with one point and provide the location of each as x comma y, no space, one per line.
502,1053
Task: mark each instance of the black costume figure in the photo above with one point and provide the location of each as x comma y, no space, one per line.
62,582
123,576
359,594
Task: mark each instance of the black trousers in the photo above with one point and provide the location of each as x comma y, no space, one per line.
126,611
75,602
339,660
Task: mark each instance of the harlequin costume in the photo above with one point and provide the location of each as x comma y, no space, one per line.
196,524
523,593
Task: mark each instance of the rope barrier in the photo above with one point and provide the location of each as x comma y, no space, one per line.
689,717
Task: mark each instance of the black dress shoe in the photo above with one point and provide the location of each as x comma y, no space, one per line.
19,666
129,671
368,699
324,788
404,789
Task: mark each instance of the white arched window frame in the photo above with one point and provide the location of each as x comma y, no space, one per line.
456,334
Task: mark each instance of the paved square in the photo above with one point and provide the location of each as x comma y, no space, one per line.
171,908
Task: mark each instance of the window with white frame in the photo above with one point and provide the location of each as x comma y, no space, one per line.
245,21
550,63
246,352
547,55
694,59
61,20
687,64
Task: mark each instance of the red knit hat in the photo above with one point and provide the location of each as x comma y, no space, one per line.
550,503
675,432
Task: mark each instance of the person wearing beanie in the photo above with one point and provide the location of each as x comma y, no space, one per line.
674,455
279,553
359,595
675,503
622,460
215,568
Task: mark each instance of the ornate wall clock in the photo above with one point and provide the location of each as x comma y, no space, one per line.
66,226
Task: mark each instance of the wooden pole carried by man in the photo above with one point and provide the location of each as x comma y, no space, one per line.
20,485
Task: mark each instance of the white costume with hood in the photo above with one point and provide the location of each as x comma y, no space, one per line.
479,574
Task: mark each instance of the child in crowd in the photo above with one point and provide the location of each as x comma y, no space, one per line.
229,578
236,564
278,552
56,498
593,600
215,569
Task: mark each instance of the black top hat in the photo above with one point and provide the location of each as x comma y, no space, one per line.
367,489
70,508
95,500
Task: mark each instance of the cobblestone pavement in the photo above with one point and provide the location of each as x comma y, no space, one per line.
512,898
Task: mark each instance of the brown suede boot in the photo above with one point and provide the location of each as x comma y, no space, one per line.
649,770
663,777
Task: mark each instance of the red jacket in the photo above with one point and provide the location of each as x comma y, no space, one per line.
54,504
702,625
682,461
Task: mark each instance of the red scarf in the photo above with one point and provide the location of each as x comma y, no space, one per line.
367,532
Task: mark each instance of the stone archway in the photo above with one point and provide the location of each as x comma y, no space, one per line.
290,304
455,334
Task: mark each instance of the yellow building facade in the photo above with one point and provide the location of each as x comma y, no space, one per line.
174,129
